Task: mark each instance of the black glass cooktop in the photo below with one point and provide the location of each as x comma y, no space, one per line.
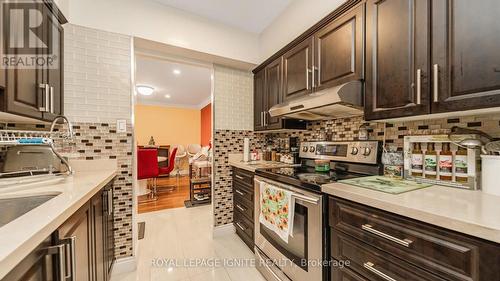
305,177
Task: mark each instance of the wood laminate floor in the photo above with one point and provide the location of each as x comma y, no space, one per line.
166,200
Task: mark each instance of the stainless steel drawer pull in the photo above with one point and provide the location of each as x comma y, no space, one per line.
239,177
240,208
240,226
419,86
436,82
370,267
110,202
51,100
59,251
239,192
70,244
369,228
46,99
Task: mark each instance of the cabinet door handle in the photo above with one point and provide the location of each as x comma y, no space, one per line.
261,119
110,202
419,86
51,100
240,208
46,99
71,241
436,82
240,226
59,251
308,74
239,192
239,177
315,69
370,267
369,228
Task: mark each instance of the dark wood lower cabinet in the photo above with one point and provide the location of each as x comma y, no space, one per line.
38,265
76,233
378,244
243,205
81,249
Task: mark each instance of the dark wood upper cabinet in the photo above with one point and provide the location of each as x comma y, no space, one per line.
37,92
54,75
397,47
465,54
258,100
23,95
297,70
273,92
339,55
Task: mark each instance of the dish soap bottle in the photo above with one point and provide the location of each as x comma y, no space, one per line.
446,163
430,162
461,165
417,160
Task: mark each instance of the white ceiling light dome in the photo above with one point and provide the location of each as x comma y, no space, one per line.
145,90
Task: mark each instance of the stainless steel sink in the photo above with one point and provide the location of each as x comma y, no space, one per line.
12,208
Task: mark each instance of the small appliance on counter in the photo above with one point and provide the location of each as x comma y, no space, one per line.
344,160
439,159
490,169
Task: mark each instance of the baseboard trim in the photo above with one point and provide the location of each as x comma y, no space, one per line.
124,265
223,230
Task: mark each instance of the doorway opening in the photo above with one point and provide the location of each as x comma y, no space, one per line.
173,132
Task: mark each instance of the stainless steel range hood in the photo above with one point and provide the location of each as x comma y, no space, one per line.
345,100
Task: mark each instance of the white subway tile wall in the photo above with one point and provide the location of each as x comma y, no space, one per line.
233,99
97,74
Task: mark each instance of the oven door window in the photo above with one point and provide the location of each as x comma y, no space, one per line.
296,248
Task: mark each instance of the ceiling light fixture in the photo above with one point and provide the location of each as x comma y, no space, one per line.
145,90
167,96
177,72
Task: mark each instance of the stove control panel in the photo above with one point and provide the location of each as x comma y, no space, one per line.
366,152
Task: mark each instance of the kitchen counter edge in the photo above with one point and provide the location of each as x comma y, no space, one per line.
468,212
17,250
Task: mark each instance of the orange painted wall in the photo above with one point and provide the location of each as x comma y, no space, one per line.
168,125
206,124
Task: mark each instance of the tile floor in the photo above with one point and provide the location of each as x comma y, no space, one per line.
186,235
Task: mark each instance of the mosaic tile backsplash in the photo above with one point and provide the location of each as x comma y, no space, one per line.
101,141
231,141
347,129
227,142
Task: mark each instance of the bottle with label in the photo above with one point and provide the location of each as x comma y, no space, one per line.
446,163
461,167
430,162
417,160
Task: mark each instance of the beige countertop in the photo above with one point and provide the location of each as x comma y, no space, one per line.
19,237
236,160
471,212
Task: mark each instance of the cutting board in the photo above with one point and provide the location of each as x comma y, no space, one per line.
386,184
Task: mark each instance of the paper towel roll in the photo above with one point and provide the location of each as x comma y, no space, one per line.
246,149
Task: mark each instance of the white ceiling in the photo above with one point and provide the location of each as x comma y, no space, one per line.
191,88
250,15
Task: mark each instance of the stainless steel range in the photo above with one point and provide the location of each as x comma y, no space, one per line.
303,257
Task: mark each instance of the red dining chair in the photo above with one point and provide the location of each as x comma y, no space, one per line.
147,168
165,171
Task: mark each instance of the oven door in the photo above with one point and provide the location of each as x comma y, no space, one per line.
300,258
